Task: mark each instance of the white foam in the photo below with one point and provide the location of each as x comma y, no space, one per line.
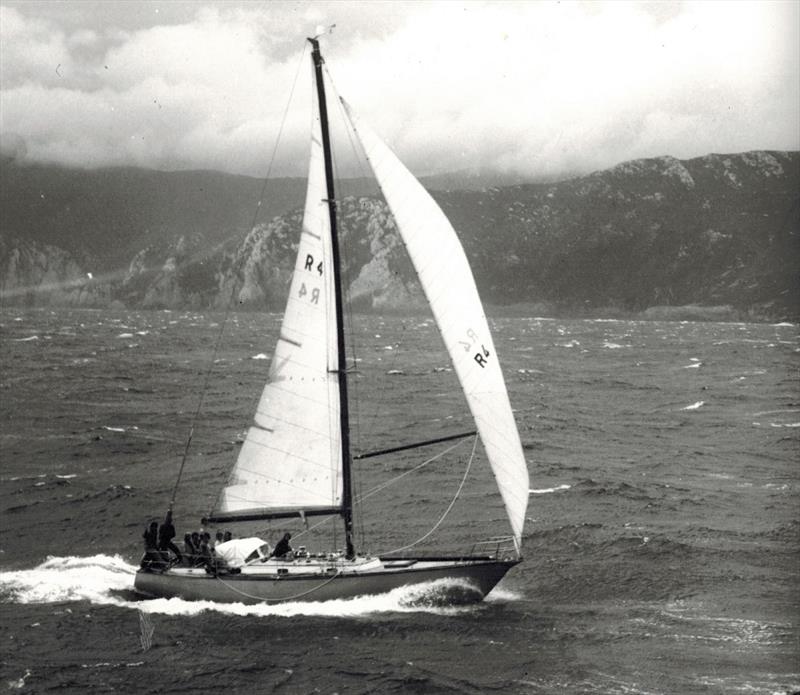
259,356
501,595
70,579
545,490
19,683
694,406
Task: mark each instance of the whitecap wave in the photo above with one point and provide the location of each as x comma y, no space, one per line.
694,406
545,490
501,595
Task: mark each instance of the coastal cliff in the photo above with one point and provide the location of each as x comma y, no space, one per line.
714,231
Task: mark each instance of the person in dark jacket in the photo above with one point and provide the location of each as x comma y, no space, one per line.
150,536
152,558
282,547
165,535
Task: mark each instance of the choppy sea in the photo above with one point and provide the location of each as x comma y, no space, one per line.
662,545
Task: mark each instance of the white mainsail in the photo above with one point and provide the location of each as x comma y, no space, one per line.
291,458
447,281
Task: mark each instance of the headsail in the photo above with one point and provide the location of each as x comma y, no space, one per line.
290,461
447,281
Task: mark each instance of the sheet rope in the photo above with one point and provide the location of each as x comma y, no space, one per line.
446,511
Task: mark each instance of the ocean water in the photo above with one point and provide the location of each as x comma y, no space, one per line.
662,546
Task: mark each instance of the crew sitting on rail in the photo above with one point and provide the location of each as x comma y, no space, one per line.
189,550
204,554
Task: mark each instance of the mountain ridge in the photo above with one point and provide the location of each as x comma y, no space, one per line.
718,230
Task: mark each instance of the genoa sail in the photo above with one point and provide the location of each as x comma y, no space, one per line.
291,460
446,279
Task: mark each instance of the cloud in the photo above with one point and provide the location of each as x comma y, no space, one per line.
535,88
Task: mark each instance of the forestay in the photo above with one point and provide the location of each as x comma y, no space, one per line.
291,459
447,281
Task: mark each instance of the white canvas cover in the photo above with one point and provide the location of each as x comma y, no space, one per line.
236,551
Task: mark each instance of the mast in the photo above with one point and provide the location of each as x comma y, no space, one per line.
341,367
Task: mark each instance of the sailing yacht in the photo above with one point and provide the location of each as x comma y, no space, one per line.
296,459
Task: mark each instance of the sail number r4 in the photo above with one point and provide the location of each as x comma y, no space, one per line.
309,266
482,354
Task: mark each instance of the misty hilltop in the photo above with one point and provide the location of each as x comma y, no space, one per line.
718,231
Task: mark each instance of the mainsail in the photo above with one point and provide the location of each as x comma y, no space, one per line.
446,279
291,460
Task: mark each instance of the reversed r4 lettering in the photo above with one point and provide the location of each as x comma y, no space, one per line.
481,357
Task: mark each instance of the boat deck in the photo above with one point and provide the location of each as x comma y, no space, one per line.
274,581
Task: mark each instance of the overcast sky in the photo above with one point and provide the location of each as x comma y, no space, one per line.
534,88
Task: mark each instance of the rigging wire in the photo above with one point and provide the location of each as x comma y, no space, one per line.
362,429
369,425
357,152
446,511
229,304
349,329
392,481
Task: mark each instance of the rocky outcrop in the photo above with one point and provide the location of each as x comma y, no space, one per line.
40,275
720,230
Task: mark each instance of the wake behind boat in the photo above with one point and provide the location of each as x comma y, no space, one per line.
296,461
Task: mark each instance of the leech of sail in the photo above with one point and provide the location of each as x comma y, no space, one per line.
416,445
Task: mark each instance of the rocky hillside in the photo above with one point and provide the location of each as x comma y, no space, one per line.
719,230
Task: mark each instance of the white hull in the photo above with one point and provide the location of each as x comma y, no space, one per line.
264,584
